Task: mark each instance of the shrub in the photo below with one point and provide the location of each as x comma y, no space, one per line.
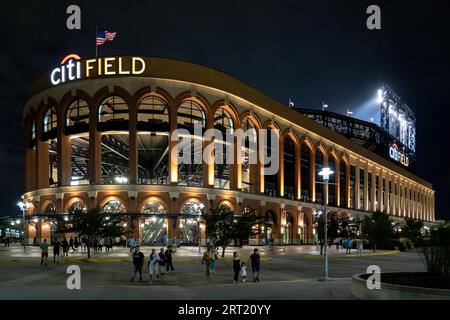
435,253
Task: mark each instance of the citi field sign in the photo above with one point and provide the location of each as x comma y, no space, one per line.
398,156
73,68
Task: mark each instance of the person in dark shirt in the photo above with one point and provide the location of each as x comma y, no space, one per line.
56,247
138,263
169,264
65,246
255,262
236,267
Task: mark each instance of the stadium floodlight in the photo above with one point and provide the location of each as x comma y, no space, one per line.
349,113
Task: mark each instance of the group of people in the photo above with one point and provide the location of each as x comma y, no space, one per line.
210,258
157,263
347,244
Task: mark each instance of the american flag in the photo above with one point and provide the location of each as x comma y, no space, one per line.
104,36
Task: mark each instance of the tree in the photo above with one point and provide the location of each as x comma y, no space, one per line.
220,225
243,227
332,229
435,254
412,230
377,228
94,224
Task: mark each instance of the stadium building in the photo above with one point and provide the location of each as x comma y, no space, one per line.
98,132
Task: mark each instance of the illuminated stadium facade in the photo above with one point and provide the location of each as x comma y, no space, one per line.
98,132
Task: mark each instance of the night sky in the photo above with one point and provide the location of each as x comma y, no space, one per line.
311,52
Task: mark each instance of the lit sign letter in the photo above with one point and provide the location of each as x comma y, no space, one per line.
135,71
120,68
53,78
108,65
70,66
89,67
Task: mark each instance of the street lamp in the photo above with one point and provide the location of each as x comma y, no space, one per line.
24,207
325,173
200,206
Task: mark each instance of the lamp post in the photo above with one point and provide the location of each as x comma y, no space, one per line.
201,206
24,207
325,173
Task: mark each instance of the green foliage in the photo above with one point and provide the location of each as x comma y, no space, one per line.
243,228
377,228
403,243
219,225
95,224
222,225
412,230
435,253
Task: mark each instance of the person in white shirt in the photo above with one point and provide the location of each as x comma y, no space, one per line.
153,265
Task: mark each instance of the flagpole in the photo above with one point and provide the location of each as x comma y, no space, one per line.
96,46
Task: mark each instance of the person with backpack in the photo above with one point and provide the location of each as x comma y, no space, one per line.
207,255
162,261
138,263
255,263
153,266
169,259
44,252
56,248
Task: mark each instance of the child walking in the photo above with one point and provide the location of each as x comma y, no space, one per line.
243,271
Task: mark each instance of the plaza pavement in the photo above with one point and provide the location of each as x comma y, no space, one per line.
289,272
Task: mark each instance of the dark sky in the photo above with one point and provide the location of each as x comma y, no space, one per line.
310,51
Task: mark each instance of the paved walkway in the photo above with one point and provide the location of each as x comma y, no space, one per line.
287,273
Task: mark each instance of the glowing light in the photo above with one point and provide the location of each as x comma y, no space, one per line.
66,218
325,173
18,221
124,225
121,180
380,98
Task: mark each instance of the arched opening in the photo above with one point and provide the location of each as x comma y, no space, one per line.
50,123
319,163
153,140
77,205
332,186
305,168
153,223
271,181
190,221
77,117
343,184
249,156
223,122
289,174
50,126
190,115
113,114
113,206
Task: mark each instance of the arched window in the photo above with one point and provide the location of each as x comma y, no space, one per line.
190,172
153,140
191,212
77,115
114,206
193,208
153,114
305,168
77,205
50,120
289,167
113,112
332,187
249,153
50,208
271,181
189,114
33,130
223,123
319,162
153,228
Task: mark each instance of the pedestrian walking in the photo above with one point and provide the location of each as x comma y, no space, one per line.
131,244
337,244
56,249
83,244
236,266
214,258
138,263
349,244
359,246
243,271
207,260
169,259
162,260
44,252
153,266
71,244
255,263
65,246
76,243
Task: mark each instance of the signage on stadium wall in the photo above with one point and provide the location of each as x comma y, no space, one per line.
73,68
398,156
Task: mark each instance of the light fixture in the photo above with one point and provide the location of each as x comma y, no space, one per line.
18,221
121,180
66,218
125,225
142,225
164,225
36,220
380,98
325,173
